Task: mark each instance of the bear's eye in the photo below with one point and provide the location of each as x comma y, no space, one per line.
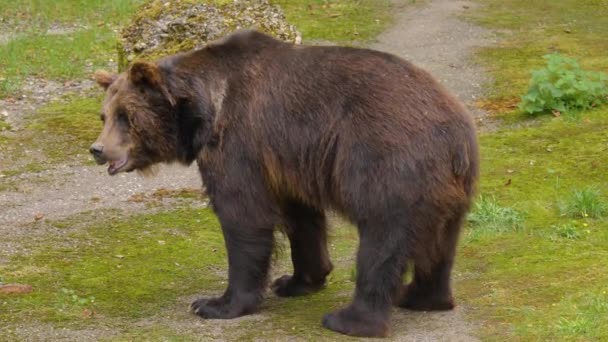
121,117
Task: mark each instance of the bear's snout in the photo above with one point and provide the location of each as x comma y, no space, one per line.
97,151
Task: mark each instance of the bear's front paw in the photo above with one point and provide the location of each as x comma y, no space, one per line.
354,322
221,308
288,286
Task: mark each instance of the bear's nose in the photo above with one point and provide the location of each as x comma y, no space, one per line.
96,149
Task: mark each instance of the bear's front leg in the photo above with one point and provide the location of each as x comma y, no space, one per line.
249,251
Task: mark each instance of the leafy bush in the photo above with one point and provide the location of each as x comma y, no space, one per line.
564,87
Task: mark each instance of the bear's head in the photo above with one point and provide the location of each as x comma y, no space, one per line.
138,114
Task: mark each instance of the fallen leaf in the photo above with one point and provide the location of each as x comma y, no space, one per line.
88,313
508,182
38,217
137,198
556,113
15,289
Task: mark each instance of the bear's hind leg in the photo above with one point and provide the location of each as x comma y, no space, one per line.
307,231
430,289
380,264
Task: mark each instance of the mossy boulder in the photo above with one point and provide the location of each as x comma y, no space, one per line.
163,27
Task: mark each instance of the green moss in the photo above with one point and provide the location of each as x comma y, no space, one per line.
524,284
131,267
338,20
71,125
58,132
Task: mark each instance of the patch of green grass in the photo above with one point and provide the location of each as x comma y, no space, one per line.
83,39
127,268
534,29
71,125
574,327
488,216
535,284
58,57
585,203
42,14
8,86
338,20
58,132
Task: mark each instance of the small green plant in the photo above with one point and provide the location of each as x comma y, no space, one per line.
599,304
584,204
4,125
577,326
76,299
489,216
567,231
563,86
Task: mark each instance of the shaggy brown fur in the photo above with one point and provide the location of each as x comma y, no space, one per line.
281,133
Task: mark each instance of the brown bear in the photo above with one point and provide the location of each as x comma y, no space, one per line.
281,133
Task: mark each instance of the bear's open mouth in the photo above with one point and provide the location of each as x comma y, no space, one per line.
116,165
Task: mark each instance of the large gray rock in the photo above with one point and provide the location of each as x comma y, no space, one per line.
163,27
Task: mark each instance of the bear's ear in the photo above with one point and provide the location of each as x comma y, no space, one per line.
104,78
144,74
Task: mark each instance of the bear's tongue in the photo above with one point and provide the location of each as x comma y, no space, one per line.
115,165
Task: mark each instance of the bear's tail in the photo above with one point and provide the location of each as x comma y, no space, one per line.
465,161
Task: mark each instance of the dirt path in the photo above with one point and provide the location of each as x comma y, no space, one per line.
429,35
434,38
66,191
